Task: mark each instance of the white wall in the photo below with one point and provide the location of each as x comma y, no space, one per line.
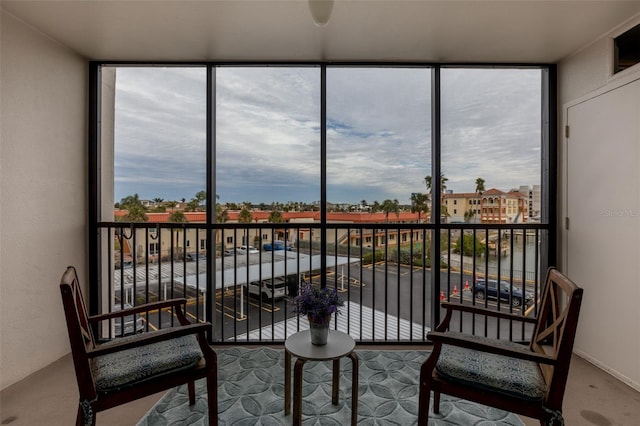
600,193
43,193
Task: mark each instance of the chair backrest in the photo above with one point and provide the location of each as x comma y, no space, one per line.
555,332
80,334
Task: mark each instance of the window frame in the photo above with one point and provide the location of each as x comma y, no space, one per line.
548,160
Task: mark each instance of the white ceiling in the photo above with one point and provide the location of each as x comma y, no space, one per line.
516,31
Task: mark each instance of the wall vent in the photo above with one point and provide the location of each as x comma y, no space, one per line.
627,49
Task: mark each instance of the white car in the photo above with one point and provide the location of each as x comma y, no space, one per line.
267,289
244,249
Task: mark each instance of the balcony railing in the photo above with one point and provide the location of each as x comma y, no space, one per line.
392,277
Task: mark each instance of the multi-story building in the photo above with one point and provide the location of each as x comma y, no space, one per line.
503,207
494,206
462,207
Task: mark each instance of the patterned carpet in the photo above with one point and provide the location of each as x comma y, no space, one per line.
251,392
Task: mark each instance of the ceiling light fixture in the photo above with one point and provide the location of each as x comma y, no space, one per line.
321,11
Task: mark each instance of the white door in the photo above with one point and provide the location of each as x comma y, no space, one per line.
602,202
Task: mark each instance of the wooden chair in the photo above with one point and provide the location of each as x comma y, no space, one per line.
525,380
132,367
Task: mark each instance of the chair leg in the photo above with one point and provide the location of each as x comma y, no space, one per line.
436,402
212,397
192,392
86,415
423,401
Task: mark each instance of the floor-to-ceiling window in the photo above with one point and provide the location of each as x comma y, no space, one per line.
204,170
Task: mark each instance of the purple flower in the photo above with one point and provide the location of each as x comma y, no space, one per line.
318,303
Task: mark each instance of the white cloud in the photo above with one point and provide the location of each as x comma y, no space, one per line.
268,131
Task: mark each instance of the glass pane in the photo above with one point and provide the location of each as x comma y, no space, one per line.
491,144
378,139
268,137
160,137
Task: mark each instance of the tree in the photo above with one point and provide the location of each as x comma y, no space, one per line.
136,211
192,205
135,214
443,186
389,206
245,216
158,200
222,214
177,217
466,245
468,215
419,204
375,207
201,196
276,217
479,190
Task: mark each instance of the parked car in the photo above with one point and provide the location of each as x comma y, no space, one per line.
482,290
268,290
126,263
192,257
276,245
244,249
230,252
131,325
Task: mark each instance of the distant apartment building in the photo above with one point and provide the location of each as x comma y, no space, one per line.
533,201
462,207
493,207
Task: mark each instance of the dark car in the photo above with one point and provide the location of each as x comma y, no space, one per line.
481,290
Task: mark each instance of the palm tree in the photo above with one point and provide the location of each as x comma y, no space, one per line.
389,206
177,217
275,217
201,196
222,215
419,204
443,186
136,211
479,190
245,216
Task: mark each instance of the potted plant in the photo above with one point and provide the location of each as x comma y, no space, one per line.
318,304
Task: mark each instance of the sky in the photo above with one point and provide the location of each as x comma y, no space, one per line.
267,132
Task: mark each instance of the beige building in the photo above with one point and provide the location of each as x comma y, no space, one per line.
493,207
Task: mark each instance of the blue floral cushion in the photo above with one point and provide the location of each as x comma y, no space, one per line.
120,369
495,373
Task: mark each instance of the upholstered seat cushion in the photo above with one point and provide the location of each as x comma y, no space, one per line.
120,369
496,373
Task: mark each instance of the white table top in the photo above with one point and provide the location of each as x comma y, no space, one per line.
339,344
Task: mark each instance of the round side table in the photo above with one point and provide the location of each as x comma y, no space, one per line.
338,345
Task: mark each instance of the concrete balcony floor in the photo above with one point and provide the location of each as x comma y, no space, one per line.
49,397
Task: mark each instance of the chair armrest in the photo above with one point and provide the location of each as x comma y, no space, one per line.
149,338
465,341
484,311
153,306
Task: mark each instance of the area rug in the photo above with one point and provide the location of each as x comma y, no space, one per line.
251,392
